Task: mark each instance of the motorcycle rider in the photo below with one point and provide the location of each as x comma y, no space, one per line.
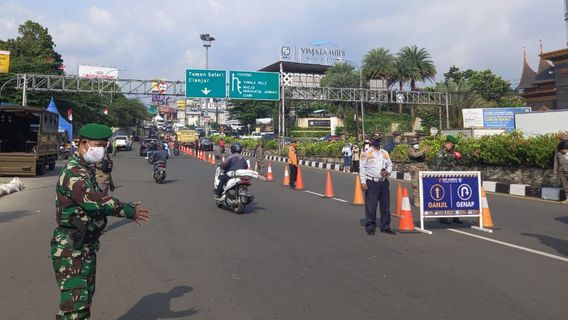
233,162
159,155
222,145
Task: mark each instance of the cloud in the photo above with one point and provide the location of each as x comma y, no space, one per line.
162,38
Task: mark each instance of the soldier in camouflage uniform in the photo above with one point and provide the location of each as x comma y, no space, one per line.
104,173
418,163
81,211
446,161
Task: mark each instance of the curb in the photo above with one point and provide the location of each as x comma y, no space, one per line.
522,190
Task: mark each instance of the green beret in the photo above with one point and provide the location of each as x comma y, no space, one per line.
452,139
95,131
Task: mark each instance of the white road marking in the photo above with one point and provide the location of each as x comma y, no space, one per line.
511,245
340,200
311,192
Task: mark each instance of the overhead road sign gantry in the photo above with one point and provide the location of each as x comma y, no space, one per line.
202,83
254,85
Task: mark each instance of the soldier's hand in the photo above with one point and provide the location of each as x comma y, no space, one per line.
141,215
384,173
364,186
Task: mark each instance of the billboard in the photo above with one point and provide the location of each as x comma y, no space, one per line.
265,125
97,72
492,118
4,61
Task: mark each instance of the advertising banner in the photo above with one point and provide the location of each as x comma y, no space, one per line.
264,125
323,123
492,118
4,61
97,72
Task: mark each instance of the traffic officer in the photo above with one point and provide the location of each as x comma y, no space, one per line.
418,163
375,168
446,161
81,214
293,163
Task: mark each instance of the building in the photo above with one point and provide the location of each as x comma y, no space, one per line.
297,74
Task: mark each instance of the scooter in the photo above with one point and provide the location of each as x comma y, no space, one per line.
236,194
160,171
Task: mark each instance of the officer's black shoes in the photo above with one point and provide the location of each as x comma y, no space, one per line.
389,231
371,232
293,187
444,220
457,220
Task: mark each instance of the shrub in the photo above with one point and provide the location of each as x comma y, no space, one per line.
400,153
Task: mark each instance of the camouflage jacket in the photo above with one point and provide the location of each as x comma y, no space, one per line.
79,199
444,161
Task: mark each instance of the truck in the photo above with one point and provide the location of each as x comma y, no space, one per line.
187,137
542,122
28,140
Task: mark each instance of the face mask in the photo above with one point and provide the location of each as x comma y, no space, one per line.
376,144
94,154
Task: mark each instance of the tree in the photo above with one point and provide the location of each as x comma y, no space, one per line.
491,87
341,75
378,63
247,111
419,65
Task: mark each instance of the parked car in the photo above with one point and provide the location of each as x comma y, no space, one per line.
123,143
268,136
330,137
145,145
205,144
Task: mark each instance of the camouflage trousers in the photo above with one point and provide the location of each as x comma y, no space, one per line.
415,168
260,165
75,278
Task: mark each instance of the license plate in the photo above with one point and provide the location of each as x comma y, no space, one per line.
244,192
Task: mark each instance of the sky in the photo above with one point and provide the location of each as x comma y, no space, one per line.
160,39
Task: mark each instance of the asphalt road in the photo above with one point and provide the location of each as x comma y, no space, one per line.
292,255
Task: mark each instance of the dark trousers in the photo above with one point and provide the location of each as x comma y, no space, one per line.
377,192
355,167
222,183
293,174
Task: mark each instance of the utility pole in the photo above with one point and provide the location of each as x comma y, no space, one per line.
207,40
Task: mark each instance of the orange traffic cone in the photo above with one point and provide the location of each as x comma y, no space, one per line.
398,200
299,180
286,179
486,212
358,199
223,159
213,162
269,176
204,156
406,222
328,186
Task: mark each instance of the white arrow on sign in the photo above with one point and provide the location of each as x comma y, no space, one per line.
205,91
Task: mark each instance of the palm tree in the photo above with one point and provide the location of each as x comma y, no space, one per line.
378,63
340,75
420,64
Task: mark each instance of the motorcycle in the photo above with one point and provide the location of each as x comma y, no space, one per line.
236,194
160,171
176,151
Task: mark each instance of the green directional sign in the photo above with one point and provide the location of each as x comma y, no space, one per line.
152,109
200,83
254,85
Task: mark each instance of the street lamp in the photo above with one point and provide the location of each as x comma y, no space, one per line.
360,87
5,83
207,39
101,87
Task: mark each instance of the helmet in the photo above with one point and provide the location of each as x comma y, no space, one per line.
563,144
236,147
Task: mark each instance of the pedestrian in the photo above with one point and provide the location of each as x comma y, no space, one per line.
417,158
446,160
293,163
347,157
356,157
81,214
561,166
259,154
376,166
104,173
